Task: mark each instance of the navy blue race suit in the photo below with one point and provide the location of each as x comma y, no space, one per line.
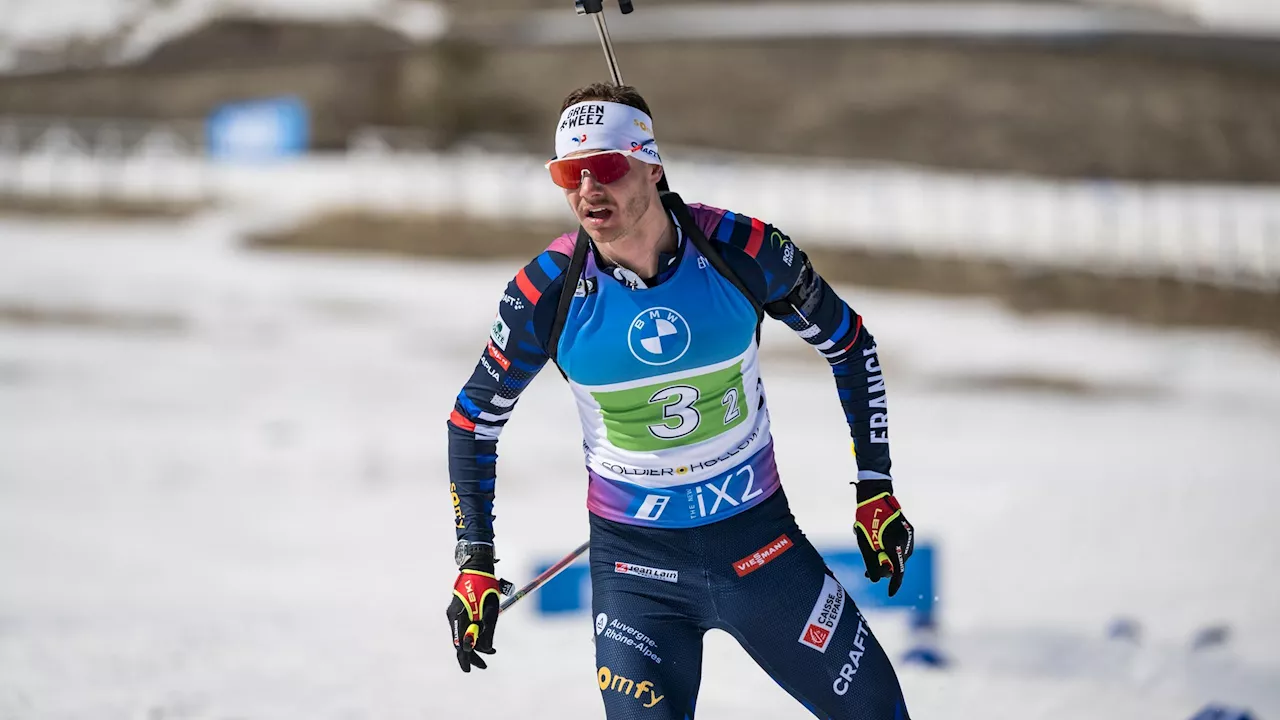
690,529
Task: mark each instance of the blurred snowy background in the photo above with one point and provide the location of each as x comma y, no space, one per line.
225,368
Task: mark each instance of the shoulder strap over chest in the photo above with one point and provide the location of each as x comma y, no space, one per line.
675,204
572,274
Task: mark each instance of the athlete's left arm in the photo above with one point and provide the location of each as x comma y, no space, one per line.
792,291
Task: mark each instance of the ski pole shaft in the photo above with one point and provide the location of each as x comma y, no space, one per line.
542,579
603,31
595,8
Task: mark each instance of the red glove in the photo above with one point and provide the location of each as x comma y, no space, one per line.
473,615
884,535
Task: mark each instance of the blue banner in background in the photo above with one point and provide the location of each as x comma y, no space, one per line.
258,130
570,591
917,594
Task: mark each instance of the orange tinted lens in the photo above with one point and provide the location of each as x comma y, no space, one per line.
605,168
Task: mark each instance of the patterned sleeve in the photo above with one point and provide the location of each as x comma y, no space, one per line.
792,291
513,355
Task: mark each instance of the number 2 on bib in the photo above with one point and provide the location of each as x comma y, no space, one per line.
679,414
681,411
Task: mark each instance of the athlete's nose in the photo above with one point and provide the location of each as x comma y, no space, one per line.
589,184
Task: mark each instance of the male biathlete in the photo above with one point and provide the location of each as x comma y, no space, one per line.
651,312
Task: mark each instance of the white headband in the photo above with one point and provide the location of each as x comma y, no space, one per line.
601,125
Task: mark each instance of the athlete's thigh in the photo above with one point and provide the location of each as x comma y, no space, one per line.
648,651
800,625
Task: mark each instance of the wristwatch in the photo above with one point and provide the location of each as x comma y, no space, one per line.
466,551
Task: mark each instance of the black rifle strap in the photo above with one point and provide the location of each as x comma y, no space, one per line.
572,275
672,202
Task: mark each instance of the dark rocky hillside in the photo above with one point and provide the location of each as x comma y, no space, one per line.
1123,108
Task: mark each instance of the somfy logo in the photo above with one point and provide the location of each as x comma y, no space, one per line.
659,336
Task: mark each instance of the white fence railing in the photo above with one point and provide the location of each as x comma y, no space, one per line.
1222,234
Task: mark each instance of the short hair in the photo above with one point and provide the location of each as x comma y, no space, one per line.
624,94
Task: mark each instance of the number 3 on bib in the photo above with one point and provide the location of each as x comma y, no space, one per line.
689,411
679,414
677,406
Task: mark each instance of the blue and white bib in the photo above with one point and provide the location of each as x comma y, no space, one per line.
667,382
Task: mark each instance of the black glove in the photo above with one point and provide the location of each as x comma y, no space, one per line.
473,613
884,535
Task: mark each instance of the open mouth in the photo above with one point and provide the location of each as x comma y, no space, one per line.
599,215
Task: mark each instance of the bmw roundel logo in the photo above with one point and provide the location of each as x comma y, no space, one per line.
658,336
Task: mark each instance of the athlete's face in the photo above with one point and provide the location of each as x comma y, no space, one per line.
610,212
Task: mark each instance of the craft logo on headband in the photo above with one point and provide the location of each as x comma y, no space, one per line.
646,147
615,127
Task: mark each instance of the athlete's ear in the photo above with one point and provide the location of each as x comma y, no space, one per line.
655,173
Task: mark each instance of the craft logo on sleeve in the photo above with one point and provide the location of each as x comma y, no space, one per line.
761,557
825,616
646,572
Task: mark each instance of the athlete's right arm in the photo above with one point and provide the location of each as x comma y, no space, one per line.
515,352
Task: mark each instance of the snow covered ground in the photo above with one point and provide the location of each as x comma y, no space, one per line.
223,494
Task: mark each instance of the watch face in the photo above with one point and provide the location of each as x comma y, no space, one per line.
462,552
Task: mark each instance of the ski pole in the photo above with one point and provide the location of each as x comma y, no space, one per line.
595,8
542,579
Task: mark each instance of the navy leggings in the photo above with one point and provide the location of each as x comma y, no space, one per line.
655,592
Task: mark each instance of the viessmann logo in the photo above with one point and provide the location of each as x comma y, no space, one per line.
759,558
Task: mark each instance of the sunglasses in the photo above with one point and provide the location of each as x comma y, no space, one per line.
605,167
